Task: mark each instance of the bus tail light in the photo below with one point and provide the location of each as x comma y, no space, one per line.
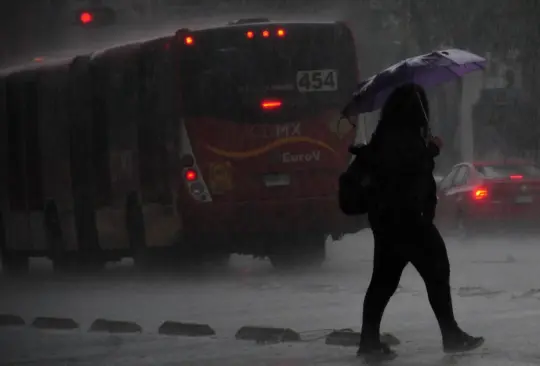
191,175
270,104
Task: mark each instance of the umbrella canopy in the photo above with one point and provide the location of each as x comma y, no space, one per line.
427,70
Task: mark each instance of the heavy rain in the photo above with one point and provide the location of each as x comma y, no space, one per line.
170,188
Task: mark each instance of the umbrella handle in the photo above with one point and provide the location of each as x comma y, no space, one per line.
428,134
344,117
365,130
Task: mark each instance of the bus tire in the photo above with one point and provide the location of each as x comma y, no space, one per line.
89,256
15,264
63,261
12,262
316,250
55,240
220,260
142,257
303,251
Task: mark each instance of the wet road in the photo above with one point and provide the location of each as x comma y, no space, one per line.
495,293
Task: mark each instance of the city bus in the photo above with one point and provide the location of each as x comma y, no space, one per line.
262,143
189,147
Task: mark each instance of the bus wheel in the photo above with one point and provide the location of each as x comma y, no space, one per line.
200,250
316,250
220,260
304,251
53,230
12,262
87,263
142,257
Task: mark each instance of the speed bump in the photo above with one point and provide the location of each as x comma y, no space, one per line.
55,323
390,339
186,329
267,334
348,338
10,320
115,326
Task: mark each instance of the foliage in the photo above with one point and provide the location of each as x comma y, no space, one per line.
498,26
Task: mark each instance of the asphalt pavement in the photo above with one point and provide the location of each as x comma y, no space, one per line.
495,287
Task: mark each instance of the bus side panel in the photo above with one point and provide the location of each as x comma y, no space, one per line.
82,161
55,150
158,140
34,169
116,92
4,198
18,228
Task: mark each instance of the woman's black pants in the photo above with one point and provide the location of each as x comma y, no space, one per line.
419,243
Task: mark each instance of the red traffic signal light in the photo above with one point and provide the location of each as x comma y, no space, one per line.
96,16
86,17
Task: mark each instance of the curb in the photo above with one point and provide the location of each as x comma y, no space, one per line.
259,334
55,323
267,334
186,329
115,326
10,320
390,339
348,338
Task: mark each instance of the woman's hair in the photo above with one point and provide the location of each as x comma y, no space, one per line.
405,109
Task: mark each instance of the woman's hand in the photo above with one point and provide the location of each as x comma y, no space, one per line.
437,141
434,146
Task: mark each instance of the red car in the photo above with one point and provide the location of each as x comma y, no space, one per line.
483,197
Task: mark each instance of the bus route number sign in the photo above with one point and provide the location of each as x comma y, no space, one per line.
317,81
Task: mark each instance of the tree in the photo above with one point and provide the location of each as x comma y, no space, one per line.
497,26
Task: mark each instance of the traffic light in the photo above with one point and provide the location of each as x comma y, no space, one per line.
95,16
86,17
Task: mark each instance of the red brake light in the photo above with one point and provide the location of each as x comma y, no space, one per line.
250,34
516,177
86,17
266,34
281,32
480,194
270,104
188,41
191,175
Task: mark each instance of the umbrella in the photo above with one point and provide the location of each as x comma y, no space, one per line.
427,70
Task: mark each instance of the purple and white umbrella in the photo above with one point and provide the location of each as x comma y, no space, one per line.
427,70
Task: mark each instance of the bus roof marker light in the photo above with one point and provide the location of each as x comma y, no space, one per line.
188,41
266,33
281,32
250,34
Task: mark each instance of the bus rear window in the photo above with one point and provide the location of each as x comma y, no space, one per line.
230,72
